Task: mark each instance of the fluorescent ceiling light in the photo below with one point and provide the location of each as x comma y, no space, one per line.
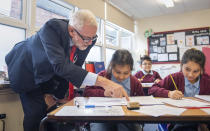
168,3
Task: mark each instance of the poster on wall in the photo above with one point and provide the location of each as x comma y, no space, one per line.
179,37
190,40
171,48
202,40
154,56
170,39
163,57
173,57
162,41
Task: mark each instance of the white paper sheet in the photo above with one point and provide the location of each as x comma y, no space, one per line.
203,97
106,101
171,48
170,39
147,84
163,57
98,111
173,57
145,100
207,110
184,102
180,38
159,110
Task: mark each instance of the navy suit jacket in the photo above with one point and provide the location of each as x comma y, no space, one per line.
43,59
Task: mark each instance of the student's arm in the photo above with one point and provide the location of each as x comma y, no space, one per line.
165,88
162,88
157,78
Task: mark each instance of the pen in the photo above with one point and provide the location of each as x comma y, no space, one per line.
173,82
93,106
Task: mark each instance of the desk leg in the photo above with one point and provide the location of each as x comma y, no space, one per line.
42,123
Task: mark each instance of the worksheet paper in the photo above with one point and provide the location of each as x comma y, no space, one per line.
106,101
207,110
159,110
145,100
203,97
184,102
97,111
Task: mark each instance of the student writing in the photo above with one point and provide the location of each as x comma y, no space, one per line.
190,81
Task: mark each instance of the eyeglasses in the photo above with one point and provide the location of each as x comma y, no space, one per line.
149,64
86,40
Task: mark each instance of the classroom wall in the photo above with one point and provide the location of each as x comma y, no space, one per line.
112,14
187,20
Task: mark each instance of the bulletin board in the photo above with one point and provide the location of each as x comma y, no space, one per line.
168,47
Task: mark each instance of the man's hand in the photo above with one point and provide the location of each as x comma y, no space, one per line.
111,88
175,94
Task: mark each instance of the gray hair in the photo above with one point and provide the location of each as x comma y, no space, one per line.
83,17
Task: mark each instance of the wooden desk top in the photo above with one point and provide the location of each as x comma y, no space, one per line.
190,115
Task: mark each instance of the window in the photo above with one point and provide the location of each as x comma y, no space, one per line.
111,35
125,40
11,8
94,54
109,53
6,43
99,30
48,9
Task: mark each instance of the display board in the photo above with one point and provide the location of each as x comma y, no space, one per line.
168,47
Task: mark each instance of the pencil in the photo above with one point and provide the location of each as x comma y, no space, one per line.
142,77
174,82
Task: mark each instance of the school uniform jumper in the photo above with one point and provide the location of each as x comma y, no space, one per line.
149,78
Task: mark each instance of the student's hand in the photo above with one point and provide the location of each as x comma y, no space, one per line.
175,94
49,100
111,88
157,81
140,80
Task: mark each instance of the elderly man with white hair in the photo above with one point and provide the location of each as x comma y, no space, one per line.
42,66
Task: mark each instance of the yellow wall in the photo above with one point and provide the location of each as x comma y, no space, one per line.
193,19
117,17
114,15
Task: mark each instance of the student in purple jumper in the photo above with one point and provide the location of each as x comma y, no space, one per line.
119,71
190,81
146,75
